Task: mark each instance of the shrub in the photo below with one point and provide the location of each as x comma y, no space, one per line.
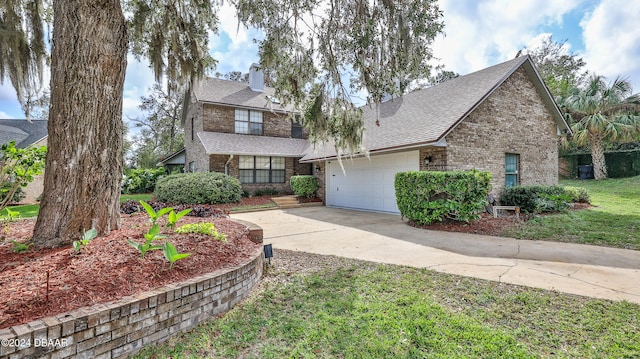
536,199
198,188
305,186
142,180
266,192
425,197
578,194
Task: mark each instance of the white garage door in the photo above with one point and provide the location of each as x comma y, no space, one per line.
368,183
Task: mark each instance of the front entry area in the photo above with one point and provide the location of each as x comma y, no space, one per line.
368,183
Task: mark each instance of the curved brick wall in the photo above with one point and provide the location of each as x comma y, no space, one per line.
123,328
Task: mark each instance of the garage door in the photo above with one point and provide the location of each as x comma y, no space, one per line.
368,183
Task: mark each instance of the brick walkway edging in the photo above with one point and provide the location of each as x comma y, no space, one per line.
121,329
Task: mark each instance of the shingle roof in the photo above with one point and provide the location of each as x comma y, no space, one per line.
25,133
238,144
234,93
426,116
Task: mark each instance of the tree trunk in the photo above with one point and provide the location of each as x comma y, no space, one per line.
84,159
597,157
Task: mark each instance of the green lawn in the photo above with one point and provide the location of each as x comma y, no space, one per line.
614,219
31,210
364,310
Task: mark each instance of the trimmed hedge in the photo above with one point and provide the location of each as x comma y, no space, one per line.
538,199
305,186
425,197
198,188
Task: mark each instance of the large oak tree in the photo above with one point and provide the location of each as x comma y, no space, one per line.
320,52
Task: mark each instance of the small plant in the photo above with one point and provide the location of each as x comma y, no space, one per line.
206,228
174,217
21,247
171,253
86,238
151,235
11,216
153,215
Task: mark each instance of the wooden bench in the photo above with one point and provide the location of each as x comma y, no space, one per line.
506,208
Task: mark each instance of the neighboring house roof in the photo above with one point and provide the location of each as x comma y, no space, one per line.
176,158
24,132
425,117
237,94
238,144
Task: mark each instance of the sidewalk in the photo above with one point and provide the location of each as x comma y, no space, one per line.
593,271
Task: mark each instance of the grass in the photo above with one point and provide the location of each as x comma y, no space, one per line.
367,310
613,221
24,211
31,210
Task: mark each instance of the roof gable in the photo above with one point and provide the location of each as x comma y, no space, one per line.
23,132
426,116
237,94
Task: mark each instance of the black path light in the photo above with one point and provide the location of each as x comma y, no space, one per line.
268,252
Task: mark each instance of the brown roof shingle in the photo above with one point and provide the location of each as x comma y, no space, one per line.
426,116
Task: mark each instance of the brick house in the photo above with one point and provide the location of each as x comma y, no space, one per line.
242,130
501,119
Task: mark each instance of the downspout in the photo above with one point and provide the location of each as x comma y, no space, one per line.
226,165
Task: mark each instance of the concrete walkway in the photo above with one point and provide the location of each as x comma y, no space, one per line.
592,271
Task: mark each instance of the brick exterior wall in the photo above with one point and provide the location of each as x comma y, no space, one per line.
291,165
121,329
194,150
219,118
511,120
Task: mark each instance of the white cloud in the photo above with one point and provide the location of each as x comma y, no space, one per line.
612,40
483,33
5,115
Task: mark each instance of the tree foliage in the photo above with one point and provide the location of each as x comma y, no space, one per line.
559,68
160,131
22,45
321,53
18,168
602,113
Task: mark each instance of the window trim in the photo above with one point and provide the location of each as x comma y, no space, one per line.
248,122
512,173
254,170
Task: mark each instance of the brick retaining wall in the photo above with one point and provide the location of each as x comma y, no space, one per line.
121,329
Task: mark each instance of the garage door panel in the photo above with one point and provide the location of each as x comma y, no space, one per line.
368,184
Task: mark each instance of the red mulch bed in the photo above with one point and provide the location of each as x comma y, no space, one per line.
487,225
107,269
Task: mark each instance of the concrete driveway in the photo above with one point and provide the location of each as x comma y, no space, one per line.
593,271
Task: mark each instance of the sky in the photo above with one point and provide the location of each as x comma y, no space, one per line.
477,34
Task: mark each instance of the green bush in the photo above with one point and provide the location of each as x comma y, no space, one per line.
425,197
18,195
578,194
142,180
266,192
305,186
198,188
536,199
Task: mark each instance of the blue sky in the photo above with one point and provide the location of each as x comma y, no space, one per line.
478,33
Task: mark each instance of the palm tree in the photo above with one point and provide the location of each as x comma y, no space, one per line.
601,113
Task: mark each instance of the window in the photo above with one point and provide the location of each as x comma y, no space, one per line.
249,122
511,170
192,166
296,129
261,169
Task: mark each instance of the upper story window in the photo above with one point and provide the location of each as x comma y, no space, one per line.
296,129
249,122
